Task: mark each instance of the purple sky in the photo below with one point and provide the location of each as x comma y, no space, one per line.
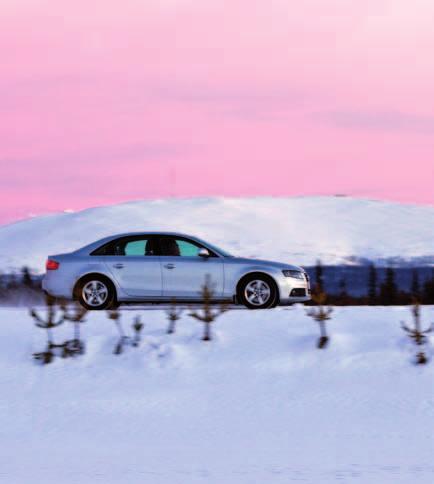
107,101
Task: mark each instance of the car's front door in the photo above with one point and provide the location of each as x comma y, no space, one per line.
184,272
135,265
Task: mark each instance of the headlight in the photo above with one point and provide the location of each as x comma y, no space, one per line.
293,274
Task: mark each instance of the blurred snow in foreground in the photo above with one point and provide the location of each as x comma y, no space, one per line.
259,404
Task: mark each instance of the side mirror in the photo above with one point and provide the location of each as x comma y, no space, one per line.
202,252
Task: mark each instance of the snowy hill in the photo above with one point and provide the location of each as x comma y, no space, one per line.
258,404
300,230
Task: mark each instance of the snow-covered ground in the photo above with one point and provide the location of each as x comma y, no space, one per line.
297,230
259,404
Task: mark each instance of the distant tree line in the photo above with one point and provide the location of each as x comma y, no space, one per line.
20,289
385,293
25,288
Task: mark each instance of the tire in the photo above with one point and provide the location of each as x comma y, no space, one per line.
96,293
257,291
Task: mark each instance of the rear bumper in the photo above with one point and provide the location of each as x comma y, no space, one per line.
56,286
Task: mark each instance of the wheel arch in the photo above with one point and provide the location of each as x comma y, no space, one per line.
256,272
89,275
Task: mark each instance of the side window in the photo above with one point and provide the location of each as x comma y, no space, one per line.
187,249
135,246
178,247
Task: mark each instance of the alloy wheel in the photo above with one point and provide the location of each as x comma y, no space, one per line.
95,293
257,292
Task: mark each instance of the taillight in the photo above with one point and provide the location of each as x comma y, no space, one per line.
52,265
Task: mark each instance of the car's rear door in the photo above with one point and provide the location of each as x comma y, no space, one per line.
184,272
135,265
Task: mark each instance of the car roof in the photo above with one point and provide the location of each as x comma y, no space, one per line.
97,243
129,234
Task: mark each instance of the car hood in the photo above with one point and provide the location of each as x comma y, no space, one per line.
265,263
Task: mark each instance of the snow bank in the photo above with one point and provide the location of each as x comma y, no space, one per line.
259,404
295,230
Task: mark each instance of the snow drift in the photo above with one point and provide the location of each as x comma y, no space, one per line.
299,230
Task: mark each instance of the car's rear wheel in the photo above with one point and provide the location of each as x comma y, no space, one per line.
257,292
96,293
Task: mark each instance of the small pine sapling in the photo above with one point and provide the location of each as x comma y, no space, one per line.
208,315
173,315
137,328
49,323
421,358
115,316
76,316
320,313
416,333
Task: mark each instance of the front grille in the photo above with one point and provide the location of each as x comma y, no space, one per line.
298,292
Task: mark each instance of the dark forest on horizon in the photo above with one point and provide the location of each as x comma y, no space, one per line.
344,285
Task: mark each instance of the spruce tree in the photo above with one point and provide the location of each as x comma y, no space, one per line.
415,285
26,277
428,290
343,293
319,277
389,290
372,285
2,288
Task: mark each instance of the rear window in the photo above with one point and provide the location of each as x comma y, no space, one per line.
131,246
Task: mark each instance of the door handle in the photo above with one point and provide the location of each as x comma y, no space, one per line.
118,266
169,266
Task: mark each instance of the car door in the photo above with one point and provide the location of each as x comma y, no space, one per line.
184,272
135,265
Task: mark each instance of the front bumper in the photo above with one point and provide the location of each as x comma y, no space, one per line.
293,290
293,300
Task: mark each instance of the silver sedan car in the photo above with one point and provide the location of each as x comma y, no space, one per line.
161,267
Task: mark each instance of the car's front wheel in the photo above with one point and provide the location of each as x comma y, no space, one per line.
96,293
258,292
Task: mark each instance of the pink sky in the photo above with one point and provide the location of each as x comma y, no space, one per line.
108,101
